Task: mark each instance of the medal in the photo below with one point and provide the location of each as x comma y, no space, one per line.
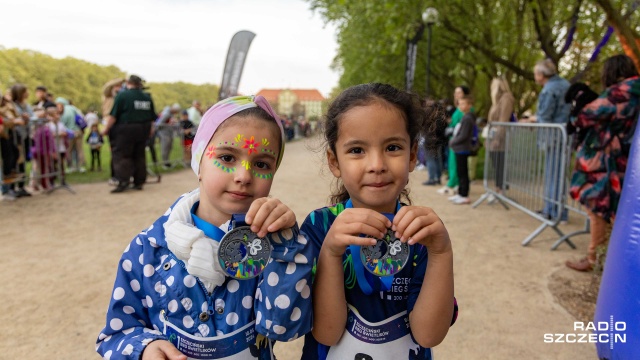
242,254
387,257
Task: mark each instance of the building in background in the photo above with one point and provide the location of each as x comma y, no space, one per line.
295,103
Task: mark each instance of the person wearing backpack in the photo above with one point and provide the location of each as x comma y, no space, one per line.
68,118
462,144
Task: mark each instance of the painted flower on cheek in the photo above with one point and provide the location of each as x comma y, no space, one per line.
251,145
211,151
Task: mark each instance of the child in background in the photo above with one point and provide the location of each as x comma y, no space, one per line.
43,151
60,133
188,134
172,297
372,133
95,141
461,144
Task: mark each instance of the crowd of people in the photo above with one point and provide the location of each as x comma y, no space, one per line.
51,134
603,127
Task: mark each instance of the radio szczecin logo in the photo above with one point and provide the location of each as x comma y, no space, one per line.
603,332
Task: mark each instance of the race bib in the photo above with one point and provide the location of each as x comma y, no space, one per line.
362,340
235,345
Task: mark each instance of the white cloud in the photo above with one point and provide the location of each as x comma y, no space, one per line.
181,40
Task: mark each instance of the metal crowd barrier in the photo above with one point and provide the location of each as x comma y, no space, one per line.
166,150
527,167
38,143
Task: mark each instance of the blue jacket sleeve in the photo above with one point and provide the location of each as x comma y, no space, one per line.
127,331
545,107
283,298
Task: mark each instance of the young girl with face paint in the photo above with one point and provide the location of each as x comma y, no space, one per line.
173,298
366,307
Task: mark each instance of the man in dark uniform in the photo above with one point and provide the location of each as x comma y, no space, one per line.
130,124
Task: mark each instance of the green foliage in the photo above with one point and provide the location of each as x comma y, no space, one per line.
82,81
471,43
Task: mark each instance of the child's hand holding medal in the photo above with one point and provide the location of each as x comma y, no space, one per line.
244,251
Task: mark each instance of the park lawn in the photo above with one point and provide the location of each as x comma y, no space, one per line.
105,160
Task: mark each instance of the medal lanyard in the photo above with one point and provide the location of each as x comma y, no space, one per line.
208,229
366,280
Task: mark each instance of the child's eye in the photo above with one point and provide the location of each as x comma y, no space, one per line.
356,150
263,165
393,147
226,158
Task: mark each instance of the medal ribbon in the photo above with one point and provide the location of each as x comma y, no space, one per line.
208,229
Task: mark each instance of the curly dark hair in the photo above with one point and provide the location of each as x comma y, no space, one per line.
426,121
616,69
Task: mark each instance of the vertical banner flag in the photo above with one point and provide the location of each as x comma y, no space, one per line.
238,49
412,52
410,69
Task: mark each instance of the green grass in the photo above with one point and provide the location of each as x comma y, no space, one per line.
105,160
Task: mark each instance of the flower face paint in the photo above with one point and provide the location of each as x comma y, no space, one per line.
252,147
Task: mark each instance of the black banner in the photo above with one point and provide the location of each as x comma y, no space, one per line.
238,49
410,69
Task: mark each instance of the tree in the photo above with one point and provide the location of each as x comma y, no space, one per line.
472,42
82,81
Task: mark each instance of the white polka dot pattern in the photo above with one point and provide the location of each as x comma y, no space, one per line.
152,285
282,302
135,285
187,321
118,293
279,329
273,279
291,268
116,324
295,314
232,318
189,281
233,286
247,302
172,306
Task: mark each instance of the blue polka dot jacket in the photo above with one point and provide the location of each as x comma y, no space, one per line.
153,286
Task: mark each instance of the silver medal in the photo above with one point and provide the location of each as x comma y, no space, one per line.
387,257
242,254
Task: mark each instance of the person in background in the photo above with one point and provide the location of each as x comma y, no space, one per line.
433,152
502,103
131,119
20,94
452,184
109,92
60,134
460,144
8,146
551,110
609,123
188,134
195,113
68,119
164,129
95,141
41,98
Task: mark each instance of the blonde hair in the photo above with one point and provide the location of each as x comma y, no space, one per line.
499,86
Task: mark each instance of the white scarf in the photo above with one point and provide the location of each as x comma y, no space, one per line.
191,245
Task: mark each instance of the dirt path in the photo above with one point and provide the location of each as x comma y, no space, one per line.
61,251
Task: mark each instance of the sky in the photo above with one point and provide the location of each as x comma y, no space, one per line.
181,40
